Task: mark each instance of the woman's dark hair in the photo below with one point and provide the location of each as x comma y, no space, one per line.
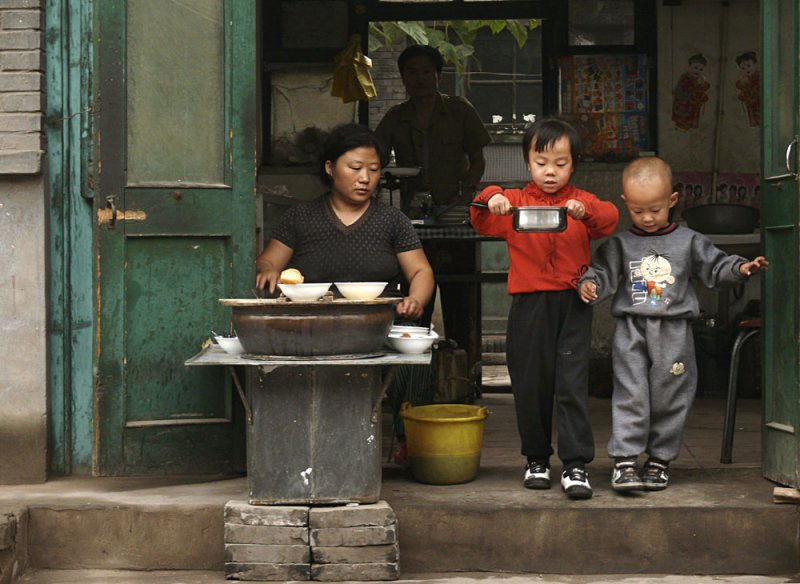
420,51
547,132
344,138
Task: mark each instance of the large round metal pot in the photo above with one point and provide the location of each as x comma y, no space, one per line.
312,329
722,218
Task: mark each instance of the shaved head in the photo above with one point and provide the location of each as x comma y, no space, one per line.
648,170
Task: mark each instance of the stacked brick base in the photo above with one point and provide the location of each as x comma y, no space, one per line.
329,544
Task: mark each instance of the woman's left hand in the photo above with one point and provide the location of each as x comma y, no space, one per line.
410,307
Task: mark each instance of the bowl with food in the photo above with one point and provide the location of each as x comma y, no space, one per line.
304,292
361,290
411,342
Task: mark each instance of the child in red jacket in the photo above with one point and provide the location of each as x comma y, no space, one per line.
549,328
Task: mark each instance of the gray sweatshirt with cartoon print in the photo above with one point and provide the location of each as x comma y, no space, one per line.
650,274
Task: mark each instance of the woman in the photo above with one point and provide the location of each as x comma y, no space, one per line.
347,234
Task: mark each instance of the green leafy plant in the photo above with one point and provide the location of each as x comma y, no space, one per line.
453,38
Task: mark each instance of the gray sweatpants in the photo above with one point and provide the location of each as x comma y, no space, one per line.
655,379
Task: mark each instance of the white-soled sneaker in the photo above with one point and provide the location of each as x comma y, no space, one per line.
537,476
575,483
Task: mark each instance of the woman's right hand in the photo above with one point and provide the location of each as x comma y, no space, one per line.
269,264
266,276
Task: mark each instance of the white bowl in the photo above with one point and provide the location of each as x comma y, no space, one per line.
415,330
361,290
304,292
230,345
412,343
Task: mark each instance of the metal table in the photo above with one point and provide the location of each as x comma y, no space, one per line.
314,424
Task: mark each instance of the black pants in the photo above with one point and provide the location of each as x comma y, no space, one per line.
548,345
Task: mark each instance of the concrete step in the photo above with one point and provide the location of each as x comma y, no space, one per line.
713,519
709,521
212,577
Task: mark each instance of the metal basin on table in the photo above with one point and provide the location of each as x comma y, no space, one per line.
311,329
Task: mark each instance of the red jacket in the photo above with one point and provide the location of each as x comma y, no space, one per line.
546,261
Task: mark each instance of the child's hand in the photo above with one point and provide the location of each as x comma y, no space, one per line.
753,267
500,205
575,209
588,292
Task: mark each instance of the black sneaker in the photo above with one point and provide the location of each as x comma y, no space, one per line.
575,483
537,476
627,476
655,475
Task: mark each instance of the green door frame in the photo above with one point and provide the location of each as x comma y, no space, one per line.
780,213
68,27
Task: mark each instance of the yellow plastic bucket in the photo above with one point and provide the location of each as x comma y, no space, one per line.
444,441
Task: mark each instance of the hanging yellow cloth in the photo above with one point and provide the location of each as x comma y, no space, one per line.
352,79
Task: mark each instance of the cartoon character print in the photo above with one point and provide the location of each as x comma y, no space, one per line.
650,277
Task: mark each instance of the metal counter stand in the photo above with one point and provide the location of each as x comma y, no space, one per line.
314,424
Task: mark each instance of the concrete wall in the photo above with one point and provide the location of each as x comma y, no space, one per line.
23,268
23,348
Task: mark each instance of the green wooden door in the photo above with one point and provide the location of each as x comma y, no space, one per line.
779,206
174,228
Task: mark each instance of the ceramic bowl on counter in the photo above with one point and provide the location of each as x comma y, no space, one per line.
304,292
411,342
361,290
416,330
230,345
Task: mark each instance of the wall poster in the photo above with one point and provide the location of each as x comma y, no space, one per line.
606,97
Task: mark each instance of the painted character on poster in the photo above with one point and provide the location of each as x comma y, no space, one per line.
690,94
749,87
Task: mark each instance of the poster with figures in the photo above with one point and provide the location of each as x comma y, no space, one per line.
606,97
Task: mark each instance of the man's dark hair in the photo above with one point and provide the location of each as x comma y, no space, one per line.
420,51
344,138
547,132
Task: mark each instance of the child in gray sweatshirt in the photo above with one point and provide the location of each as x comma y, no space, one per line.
648,270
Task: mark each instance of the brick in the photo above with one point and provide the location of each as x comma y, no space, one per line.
265,534
246,514
278,554
379,513
21,162
21,19
21,102
368,554
20,81
267,572
344,572
6,4
16,40
22,60
24,122
354,536
21,142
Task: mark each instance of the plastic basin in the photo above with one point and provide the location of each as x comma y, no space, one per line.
444,441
